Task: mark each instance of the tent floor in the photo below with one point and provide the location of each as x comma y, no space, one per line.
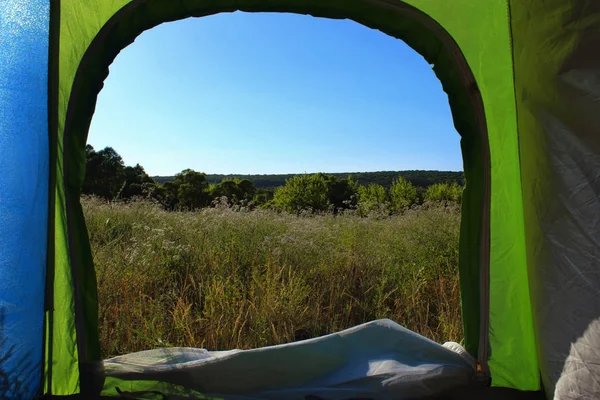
488,393
466,393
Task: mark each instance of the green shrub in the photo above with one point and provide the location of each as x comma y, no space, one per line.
444,192
302,193
372,199
402,194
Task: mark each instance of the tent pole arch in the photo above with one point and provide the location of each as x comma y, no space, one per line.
93,32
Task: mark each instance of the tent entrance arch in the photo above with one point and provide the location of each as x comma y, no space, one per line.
396,19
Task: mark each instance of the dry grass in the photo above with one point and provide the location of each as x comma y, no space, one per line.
222,279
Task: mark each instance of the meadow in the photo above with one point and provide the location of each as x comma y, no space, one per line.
226,277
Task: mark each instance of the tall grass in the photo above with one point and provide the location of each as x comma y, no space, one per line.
222,279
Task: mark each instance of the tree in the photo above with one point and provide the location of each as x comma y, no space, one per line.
247,189
191,189
341,193
372,198
402,194
104,175
135,180
236,190
444,192
301,193
167,195
263,198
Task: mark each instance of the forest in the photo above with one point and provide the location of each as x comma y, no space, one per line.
109,178
419,178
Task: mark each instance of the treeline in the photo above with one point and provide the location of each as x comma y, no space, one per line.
108,177
325,192
384,178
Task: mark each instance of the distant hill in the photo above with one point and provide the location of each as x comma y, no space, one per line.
384,178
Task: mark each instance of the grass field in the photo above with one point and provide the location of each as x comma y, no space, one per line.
221,279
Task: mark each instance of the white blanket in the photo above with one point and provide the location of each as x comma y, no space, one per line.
377,360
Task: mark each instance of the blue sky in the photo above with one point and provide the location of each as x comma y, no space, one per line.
273,93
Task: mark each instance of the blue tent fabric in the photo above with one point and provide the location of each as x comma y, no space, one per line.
24,176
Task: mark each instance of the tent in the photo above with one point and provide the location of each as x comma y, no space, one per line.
523,82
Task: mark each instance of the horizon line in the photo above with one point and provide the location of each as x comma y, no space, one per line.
312,173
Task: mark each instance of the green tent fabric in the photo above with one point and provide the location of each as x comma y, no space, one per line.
523,82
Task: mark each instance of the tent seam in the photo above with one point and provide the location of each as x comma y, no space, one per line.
514,81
